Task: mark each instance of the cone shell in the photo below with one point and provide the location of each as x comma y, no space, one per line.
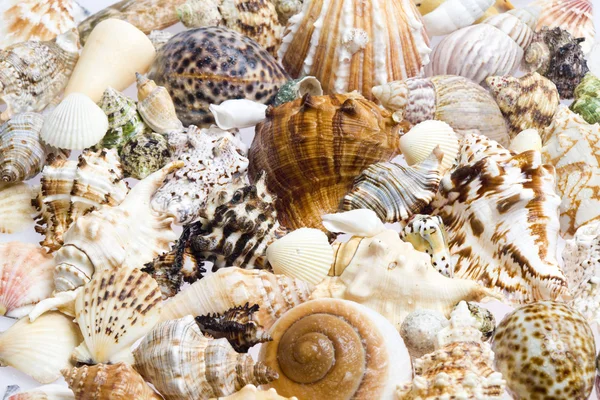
587,99
145,154
303,254
40,348
156,107
229,287
313,148
113,310
181,363
355,47
124,121
321,343
251,392
108,382
15,207
46,392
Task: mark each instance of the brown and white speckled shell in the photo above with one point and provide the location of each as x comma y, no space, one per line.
206,66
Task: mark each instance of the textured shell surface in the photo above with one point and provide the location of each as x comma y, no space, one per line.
40,348
206,66
355,46
286,9
229,287
156,106
182,363
545,43
108,382
417,144
26,277
557,360
500,212
144,154
33,73
213,160
486,322
390,277
46,392
499,6
457,101
419,331
454,14
114,310
570,145
15,207
587,99
251,392
528,102
313,148
159,38
297,88
361,222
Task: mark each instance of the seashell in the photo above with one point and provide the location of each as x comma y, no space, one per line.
526,140
145,15
114,310
130,234
213,160
346,50
486,322
144,154
574,16
569,145
593,59
61,301
238,113
390,277
320,344
563,348
459,102
361,222
452,15
427,234
494,47
587,99
76,123
15,207
40,348
156,107
304,254
500,6
237,325
159,38
46,392
124,121
101,66
328,132
242,69
256,19
418,144
33,74
108,382
419,331
297,88
396,192
230,287
182,364
71,189
27,277
461,367
529,102
286,9
251,392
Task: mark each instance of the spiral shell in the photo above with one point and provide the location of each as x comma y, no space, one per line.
156,107
453,15
587,99
297,88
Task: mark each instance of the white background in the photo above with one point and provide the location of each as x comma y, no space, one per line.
9,376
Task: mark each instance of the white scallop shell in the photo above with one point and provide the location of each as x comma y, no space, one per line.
529,139
238,113
455,14
417,144
360,222
15,207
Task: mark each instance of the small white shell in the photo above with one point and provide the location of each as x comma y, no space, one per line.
529,139
360,222
46,392
304,254
455,14
420,330
418,143
16,210
238,113
76,123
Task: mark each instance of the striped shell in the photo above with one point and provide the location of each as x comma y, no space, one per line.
15,207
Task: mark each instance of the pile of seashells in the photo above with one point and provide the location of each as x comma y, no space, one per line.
395,196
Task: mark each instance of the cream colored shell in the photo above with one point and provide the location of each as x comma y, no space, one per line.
15,207
251,392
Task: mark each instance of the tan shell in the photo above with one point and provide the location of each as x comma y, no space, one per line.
46,392
251,392
156,107
15,207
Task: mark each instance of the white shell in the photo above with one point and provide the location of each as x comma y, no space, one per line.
529,139
360,222
455,14
16,210
238,113
304,254
46,392
63,301
417,144
76,123
593,59
420,329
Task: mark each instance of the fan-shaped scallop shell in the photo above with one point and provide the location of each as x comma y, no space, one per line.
587,99
156,107
418,143
15,207
251,392
181,363
313,148
144,154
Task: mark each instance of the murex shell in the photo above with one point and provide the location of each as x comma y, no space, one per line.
313,148
500,212
206,66
355,46
182,363
587,99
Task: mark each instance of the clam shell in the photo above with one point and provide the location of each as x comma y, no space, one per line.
156,107
15,207
454,14
22,153
418,144
124,121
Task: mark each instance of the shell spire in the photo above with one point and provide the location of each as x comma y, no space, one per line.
156,107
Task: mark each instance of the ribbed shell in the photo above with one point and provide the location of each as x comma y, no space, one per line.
587,99
313,148
455,14
156,107
251,392
15,207
182,364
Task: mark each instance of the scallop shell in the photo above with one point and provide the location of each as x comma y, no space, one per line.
46,392
557,360
587,99
238,113
500,213
355,46
108,382
15,207
33,74
454,14
320,344
145,154
461,103
40,348
297,88
418,144
313,148
114,310
528,102
156,107
26,277
230,287
419,331
529,139
76,123
251,392
390,277
304,254
396,192
181,363
206,66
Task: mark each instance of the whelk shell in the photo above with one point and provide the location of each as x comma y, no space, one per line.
15,207
297,88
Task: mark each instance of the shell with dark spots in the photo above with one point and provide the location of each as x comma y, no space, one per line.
144,154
